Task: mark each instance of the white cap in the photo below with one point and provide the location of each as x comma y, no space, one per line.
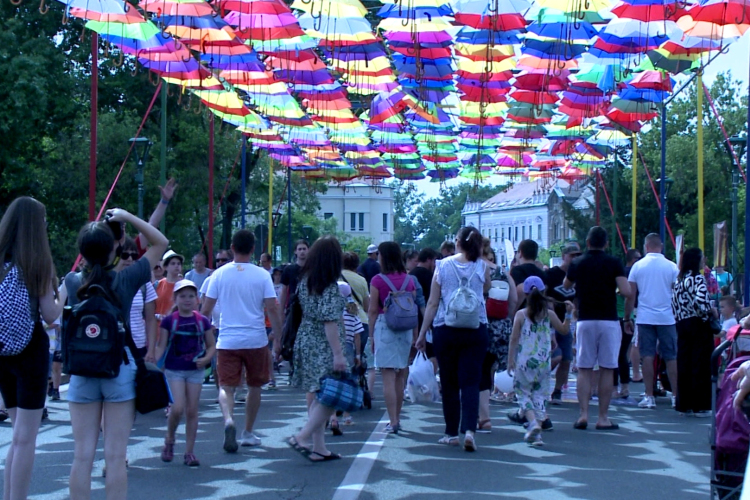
372,249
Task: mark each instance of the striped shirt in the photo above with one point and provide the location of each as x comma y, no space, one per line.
353,326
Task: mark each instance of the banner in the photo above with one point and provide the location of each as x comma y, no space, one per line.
721,238
679,248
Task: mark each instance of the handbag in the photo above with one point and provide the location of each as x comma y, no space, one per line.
151,388
291,325
341,392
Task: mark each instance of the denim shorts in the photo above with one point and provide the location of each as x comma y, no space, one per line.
391,347
107,390
666,335
564,347
189,376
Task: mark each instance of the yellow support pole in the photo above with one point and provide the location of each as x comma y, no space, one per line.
634,192
269,245
699,137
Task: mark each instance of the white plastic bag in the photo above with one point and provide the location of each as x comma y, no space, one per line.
422,386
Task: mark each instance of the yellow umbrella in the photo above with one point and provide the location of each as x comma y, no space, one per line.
332,8
422,24
481,50
464,64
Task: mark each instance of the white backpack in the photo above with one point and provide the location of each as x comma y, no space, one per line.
464,305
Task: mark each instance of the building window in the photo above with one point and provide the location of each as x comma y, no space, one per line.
353,226
523,232
539,232
385,223
361,222
516,231
328,215
557,232
531,236
496,233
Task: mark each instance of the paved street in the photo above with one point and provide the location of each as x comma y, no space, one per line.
655,454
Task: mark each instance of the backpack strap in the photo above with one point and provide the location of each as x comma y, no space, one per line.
406,282
199,322
388,282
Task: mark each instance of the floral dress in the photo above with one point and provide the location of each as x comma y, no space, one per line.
531,379
313,357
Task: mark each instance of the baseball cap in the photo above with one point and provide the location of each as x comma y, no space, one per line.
533,282
571,248
344,289
184,284
171,254
372,249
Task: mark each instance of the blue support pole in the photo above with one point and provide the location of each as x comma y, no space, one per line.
244,177
662,184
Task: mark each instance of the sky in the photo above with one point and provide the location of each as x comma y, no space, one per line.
736,61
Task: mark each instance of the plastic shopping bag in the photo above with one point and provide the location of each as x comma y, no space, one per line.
422,386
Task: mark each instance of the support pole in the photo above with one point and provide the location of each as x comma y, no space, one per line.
746,275
163,148
699,137
289,212
269,242
735,197
662,185
596,181
211,191
634,192
94,120
614,196
243,209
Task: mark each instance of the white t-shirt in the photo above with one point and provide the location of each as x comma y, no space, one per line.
726,324
241,288
216,313
137,323
654,275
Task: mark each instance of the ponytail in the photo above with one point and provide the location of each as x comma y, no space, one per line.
536,304
95,243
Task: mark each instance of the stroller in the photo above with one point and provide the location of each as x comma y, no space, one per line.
361,373
730,430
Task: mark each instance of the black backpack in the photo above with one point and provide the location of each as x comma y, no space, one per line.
94,336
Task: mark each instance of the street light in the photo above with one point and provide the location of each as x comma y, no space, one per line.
737,145
141,147
306,230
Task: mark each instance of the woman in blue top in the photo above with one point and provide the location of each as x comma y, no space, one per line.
460,351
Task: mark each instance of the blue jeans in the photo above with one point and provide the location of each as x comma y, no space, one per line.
460,353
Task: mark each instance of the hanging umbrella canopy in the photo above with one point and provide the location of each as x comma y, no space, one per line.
136,31
196,8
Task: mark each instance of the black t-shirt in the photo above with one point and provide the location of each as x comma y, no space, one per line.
289,279
424,277
595,275
521,272
555,278
369,269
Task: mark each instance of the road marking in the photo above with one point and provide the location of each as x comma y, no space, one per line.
356,477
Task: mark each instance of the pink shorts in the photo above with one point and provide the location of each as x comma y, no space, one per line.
598,343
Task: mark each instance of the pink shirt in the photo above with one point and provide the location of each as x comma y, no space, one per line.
383,290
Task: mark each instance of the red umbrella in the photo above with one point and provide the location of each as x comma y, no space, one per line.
542,81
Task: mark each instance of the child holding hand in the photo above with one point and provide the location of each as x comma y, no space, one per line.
529,355
186,346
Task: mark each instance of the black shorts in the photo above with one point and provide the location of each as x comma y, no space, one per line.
23,378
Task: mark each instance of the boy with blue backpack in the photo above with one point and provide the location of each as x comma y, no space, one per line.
186,346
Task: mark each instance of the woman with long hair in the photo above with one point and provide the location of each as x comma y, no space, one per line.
109,403
460,351
391,346
319,348
23,377
692,311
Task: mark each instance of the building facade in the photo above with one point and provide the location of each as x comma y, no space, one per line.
360,209
528,210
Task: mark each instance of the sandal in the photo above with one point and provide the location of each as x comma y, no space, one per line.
293,444
190,460
484,426
324,458
167,453
449,440
335,428
4,415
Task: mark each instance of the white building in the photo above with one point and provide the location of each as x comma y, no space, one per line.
527,210
360,209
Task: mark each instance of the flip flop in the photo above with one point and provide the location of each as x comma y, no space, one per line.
636,381
325,458
293,444
581,425
610,427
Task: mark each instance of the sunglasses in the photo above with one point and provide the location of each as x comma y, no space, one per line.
157,267
129,255
222,260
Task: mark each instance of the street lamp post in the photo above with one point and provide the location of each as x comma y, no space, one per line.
141,147
668,181
306,230
736,143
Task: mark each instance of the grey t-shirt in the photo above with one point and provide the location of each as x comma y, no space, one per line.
197,277
125,284
449,272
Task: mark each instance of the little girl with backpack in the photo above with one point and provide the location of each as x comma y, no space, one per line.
186,346
529,355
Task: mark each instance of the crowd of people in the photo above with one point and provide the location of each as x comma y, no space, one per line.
472,312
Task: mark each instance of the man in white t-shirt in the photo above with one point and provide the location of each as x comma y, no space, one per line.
199,272
245,293
652,280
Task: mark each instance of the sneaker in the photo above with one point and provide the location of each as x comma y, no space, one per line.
45,414
702,414
49,389
556,398
547,424
239,397
230,439
270,386
55,395
537,442
249,439
190,460
4,415
392,429
532,434
647,402
674,401
167,453
517,418
469,444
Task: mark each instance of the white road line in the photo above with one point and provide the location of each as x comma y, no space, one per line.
356,476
